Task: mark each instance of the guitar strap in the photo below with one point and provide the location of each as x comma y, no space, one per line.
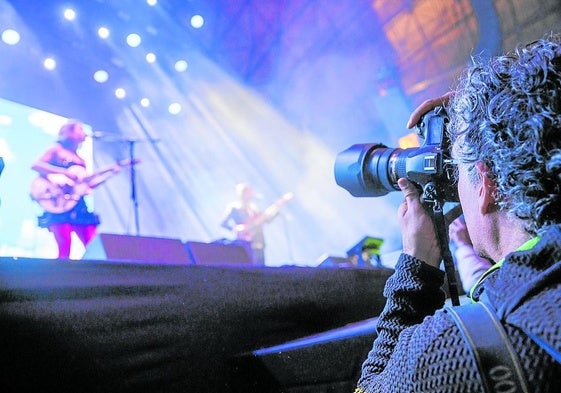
496,360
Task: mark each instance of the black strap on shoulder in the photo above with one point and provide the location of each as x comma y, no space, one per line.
494,355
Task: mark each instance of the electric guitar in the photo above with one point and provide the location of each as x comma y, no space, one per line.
57,193
245,230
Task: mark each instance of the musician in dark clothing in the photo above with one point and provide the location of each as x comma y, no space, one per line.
241,217
63,198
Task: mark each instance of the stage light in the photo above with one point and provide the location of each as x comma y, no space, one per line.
181,65
10,36
69,14
152,2
49,63
197,21
145,102
5,120
174,108
150,57
133,40
101,76
103,32
120,93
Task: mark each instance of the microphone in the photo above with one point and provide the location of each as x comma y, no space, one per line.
100,134
114,137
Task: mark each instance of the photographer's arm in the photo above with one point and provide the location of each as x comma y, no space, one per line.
413,292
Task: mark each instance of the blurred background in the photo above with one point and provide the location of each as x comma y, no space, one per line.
211,93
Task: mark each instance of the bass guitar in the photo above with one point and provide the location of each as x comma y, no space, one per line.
58,193
245,231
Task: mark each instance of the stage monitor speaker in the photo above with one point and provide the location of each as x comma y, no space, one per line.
331,261
106,246
367,251
218,253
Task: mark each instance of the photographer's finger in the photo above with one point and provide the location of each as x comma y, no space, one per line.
427,106
410,192
419,112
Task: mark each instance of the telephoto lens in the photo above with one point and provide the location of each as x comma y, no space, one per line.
371,169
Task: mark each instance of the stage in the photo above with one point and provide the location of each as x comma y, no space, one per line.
116,326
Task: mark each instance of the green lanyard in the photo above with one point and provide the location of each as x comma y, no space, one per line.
528,245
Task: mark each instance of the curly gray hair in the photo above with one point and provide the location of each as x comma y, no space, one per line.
506,113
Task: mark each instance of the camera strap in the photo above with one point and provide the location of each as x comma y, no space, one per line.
441,230
494,355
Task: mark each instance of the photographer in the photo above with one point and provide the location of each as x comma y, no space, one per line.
505,132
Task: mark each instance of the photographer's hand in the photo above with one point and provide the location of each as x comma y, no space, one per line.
458,233
417,229
427,106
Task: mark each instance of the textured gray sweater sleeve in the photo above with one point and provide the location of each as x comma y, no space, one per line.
413,292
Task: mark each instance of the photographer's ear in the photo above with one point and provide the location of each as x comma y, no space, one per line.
487,189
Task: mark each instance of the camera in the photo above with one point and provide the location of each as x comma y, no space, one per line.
372,169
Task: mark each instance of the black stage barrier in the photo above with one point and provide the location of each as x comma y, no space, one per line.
105,326
324,362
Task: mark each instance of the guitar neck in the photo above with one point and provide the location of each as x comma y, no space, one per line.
256,221
108,169
269,212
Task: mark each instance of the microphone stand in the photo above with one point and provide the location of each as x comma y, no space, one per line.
287,236
134,197
131,142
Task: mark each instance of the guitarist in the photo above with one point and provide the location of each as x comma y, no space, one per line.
246,220
58,159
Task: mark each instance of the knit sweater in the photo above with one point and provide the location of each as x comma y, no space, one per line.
420,349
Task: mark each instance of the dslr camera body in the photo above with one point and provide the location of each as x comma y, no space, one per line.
372,169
